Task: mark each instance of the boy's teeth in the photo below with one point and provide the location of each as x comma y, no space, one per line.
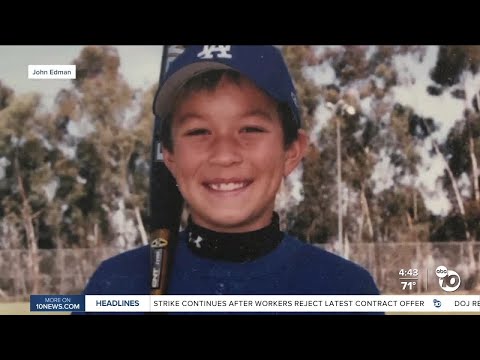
227,186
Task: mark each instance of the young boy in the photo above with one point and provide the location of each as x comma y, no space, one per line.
232,134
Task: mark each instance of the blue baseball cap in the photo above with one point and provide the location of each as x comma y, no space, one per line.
262,64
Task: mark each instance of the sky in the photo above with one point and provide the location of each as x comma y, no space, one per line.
140,65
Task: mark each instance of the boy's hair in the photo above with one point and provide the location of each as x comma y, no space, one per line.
209,80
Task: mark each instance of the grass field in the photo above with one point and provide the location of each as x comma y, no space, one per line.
23,308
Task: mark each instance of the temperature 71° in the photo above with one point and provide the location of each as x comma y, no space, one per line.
408,285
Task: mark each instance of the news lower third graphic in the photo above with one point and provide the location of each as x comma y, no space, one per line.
68,303
255,303
410,281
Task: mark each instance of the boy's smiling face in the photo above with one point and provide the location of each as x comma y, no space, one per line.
229,157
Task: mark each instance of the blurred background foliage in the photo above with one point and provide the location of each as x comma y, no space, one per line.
76,176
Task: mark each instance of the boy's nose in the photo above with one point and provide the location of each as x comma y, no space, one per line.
225,151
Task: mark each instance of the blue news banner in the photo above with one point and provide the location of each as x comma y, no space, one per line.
69,303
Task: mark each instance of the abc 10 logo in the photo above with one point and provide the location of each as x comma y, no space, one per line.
449,280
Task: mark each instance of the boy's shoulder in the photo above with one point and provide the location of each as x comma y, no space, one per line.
125,273
340,274
125,261
327,259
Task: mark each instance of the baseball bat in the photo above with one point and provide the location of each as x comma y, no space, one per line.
166,202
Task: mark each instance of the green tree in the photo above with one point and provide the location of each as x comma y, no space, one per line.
115,154
28,173
357,109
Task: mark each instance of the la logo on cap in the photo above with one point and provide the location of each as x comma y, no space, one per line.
222,52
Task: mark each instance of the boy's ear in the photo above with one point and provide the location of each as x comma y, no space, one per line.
295,152
169,160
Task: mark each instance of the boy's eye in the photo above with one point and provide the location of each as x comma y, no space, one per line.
252,129
196,132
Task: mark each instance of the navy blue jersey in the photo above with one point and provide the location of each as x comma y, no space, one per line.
292,268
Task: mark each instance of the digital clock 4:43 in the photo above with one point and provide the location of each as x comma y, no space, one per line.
408,272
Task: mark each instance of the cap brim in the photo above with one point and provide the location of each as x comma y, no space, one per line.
167,93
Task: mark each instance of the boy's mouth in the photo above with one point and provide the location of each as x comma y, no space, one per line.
227,185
